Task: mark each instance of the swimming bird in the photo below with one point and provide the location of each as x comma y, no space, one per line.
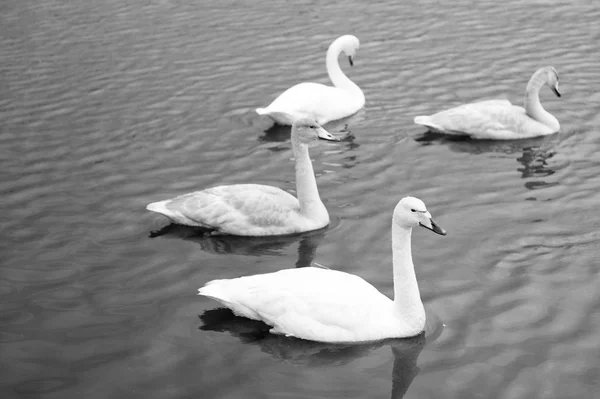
332,306
499,119
318,101
256,209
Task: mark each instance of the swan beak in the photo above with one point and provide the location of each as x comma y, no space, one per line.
555,90
325,135
351,60
434,227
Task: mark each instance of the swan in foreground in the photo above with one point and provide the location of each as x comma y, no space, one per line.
318,101
332,306
256,209
499,119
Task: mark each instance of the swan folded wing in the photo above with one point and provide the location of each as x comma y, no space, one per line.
475,119
507,122
324,103
238,208
308,303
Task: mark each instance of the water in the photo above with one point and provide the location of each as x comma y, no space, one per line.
107,106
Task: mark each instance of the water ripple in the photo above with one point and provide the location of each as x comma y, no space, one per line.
107,106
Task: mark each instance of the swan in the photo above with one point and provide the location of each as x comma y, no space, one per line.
499,119
332,306
318,101
256,209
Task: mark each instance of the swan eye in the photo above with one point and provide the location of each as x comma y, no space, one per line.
312,127
413,210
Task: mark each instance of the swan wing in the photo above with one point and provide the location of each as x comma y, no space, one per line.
309,303
324,103
510,122
494,119
243,209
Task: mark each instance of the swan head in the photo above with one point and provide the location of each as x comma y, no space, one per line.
411,212
349,44
551,78
307,130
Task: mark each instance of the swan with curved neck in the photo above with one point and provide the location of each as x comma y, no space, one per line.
255,209
332,306
499,119
320,102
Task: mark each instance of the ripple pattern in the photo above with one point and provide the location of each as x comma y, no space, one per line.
107,106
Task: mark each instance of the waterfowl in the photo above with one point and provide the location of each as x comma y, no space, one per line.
333,306
499,119
256,209
318,101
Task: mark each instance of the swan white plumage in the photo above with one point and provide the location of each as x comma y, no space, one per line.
255,209
332,306
499,119
318,101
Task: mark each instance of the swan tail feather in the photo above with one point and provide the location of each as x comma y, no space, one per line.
175,215
211,289
160,207
281,117
217,290
423,120
426,120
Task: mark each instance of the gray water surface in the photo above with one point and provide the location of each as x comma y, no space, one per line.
108,105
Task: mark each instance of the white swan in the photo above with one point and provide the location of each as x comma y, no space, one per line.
499,119
333,306
255,209
318,101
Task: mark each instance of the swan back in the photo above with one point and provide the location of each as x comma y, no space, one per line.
309,303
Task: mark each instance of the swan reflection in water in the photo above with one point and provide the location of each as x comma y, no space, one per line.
308,242
316,354
535,153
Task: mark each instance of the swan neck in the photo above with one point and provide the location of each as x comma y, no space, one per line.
306,183
337,76
407,298
533,106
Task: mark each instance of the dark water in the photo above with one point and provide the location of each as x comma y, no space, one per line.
106,106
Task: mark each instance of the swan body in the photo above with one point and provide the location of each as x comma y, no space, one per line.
255,209
499,119
320,102
333,306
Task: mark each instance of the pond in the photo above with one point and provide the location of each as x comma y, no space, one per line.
108,106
